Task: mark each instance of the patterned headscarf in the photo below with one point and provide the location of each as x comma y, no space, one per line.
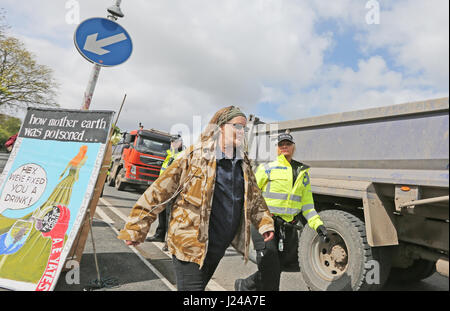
230,114
220,118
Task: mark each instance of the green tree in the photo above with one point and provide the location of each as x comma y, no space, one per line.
10,124
8,127
23,82
115,135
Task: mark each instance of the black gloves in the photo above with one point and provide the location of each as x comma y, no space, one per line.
322,232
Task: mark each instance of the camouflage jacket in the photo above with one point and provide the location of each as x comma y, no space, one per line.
190,179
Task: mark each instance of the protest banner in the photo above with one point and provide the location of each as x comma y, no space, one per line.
45,190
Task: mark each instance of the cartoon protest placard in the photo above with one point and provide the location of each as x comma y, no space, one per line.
45,189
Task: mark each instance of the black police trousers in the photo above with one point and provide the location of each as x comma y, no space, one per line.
271,261
163,222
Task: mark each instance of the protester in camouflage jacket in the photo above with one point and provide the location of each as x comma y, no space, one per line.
190,181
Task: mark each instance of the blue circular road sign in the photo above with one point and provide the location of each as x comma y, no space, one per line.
103,41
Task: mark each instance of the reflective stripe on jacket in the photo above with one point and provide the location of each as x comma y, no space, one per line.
284,197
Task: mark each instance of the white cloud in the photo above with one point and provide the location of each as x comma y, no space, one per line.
339,89
417,33
193,57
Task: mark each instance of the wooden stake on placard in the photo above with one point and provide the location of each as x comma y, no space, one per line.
78,247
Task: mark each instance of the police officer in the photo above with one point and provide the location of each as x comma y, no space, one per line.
286,188
176,146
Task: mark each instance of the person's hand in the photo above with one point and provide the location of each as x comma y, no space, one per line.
322,232
268,236
132,243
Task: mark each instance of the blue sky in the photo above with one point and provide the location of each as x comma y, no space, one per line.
278,60
345,50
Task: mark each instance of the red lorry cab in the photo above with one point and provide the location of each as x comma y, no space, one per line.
137,158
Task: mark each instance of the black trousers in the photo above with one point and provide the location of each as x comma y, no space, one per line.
271,261
163,221
189,275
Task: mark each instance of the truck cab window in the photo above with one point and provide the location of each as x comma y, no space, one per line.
148,145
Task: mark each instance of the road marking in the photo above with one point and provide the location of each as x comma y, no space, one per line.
114,210
212,285
147,263
160,245
103,215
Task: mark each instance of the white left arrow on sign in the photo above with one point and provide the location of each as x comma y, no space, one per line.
94,46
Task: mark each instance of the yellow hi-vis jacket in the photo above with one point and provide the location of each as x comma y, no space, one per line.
170,154
283,197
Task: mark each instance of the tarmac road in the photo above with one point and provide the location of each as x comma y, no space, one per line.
115,206
148,268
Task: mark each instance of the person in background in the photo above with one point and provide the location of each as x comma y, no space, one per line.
216,198
176,146
9,144
286,188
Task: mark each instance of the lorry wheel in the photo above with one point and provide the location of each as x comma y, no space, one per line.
419,270
119,184
346,261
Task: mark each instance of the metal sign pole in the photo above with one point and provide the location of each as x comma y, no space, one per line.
90,87
114,13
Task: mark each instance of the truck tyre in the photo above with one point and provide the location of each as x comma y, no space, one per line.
119,184
346,261
419,270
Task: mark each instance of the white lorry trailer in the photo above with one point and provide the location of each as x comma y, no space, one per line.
380,181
